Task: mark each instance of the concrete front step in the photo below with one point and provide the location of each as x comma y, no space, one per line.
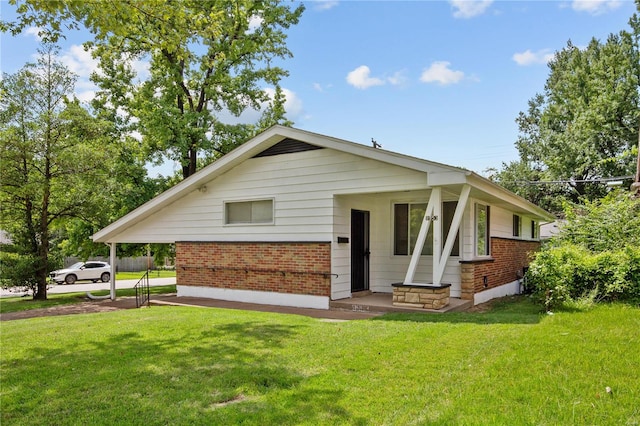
382,302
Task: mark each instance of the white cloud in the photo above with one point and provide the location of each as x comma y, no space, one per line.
79,61
469,8
254,23
360,78
398,79
325,4
530,58
440,73
34,31
595,7
292,103
141,69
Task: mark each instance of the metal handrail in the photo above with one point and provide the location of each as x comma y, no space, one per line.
142,290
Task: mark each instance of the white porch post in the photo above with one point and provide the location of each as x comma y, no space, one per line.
422,236
437,233
441,263
112,262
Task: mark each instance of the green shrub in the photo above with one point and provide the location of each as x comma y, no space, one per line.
570,272
606,224
16,270
596,255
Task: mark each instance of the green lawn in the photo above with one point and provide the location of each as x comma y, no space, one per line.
152,274
15,304
184,366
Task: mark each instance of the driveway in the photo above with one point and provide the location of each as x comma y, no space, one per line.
89,286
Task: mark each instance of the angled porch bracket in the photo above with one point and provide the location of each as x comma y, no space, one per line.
439,264
433,213
429,216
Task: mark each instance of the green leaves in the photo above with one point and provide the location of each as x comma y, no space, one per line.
206,57
58,165
605,224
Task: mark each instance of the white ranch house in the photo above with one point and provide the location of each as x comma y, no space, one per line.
300,219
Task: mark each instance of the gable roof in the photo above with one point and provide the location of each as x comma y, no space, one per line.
298,140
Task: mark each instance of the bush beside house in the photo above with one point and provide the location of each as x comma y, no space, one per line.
596,254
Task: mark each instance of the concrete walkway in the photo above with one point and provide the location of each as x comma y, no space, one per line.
333,314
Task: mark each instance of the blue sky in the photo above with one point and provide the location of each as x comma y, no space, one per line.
440,80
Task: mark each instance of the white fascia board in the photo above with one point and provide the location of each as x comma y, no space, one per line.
493,189
452,177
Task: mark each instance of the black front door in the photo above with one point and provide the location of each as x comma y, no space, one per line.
359,250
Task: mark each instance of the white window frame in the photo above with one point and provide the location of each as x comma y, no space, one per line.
487,231
249,202
517,227
429,241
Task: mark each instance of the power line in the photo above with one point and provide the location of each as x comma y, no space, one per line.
567,181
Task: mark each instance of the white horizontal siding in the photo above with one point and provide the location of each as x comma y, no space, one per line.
302,186
501,223
467,231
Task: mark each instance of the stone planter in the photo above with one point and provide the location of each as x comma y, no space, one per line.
421,296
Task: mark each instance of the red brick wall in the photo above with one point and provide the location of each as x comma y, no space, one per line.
295,268
508,257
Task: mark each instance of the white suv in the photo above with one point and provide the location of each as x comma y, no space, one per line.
92,271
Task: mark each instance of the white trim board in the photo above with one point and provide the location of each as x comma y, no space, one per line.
504,290
258,297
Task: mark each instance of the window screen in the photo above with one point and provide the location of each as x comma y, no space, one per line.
257,211
407,222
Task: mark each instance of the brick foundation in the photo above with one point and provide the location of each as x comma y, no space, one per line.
508,258
294,268
423,297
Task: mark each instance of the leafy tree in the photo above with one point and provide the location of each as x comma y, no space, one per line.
59,165
584,127
205,56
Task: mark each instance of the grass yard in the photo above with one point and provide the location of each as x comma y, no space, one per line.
156,273
184,366
16,304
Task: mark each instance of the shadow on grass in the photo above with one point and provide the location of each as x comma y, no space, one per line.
230,373
506,310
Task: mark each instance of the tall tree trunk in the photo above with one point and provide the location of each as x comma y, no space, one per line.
43,227
193,158
635,186
190,160
42,269
43,246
